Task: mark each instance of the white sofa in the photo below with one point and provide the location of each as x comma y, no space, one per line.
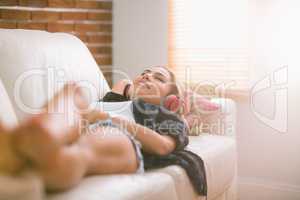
35,64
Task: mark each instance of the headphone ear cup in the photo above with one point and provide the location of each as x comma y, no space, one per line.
173,103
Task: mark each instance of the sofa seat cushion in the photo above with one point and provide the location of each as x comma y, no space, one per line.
184,188
126,187
219,155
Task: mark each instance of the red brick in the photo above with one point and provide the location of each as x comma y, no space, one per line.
109,81
108,74
32,25
15,14
93,27
74,15
60,27
106,70
87,27
61,3
100,16
45,15
103,60
100,39
33,3
96,49
91,4
106,28
82,37
9,2
8,24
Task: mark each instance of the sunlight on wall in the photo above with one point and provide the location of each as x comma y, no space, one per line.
274,43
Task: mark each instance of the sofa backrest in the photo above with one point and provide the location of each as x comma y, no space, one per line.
36,64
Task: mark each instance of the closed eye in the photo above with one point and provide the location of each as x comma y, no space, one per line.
161,79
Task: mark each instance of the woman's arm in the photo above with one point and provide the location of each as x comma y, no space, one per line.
151,141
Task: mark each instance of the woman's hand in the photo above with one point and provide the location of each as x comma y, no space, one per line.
152,142
95,115
120,86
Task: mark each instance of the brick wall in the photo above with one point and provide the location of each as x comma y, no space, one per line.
89,20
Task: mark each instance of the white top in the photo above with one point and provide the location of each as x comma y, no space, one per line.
122,109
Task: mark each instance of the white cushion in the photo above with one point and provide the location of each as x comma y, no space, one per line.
183,185
7,114
219,155
35,64
172,182
148,186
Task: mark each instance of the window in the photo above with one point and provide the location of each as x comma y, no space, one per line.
208,41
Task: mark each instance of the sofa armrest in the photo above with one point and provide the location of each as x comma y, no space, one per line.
228,115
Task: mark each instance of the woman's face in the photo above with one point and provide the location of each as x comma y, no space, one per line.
153,84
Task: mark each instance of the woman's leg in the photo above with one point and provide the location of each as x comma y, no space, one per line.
91,156
110,151
61,167
61,155
10,163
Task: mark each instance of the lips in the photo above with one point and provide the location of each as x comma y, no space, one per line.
146,83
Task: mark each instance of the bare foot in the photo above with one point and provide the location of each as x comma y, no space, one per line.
40,138
10,163
65,111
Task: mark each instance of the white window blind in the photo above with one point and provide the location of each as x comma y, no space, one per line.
208,41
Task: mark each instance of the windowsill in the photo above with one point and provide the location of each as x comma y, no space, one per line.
237,94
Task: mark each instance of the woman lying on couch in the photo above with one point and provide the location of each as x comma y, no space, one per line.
64,154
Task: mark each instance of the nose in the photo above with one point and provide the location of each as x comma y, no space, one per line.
147,76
